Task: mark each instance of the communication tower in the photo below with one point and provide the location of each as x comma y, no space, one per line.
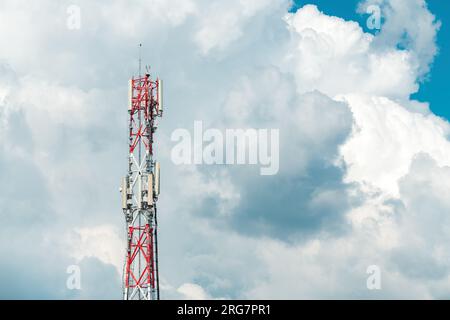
140,190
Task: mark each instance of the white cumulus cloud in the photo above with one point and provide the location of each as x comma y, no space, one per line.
363,168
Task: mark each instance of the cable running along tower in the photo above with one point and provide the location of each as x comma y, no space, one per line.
140,190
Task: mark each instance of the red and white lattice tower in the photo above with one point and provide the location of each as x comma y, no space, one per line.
140,191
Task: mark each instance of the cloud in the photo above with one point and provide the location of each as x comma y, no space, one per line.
404,238
101,242
351,191
335,56
392,134
426,224
310,184
409,25
192,291
221,24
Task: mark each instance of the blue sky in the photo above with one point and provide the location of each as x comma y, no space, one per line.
434,89
363,176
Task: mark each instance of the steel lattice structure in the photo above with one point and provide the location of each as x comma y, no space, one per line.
140,191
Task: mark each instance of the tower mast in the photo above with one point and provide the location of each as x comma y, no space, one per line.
140,190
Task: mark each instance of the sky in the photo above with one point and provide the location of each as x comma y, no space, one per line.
432,88
363,146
